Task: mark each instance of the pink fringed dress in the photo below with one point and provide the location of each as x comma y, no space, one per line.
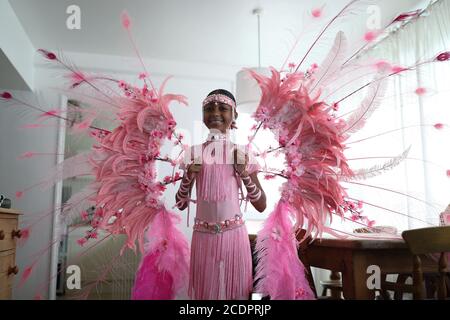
221,261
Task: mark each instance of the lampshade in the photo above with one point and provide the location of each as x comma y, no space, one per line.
248,93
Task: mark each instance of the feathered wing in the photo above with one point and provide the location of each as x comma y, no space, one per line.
313,140
312,144
124,166
128,124
299,108
313,148
129,194
125,194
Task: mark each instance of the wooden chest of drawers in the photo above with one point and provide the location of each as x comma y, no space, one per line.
9,232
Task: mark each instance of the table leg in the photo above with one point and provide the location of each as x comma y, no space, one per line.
362,291
348,286
354,278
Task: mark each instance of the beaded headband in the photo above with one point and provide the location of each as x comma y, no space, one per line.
219,98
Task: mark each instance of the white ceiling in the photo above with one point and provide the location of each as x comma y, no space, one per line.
208,31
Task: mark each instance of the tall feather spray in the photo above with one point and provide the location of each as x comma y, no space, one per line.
125,190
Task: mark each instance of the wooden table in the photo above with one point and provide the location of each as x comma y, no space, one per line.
352,257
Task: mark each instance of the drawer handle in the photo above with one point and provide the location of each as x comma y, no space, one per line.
13,270
16,233
2,235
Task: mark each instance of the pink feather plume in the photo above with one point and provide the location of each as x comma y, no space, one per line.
126,21
165,268
279,273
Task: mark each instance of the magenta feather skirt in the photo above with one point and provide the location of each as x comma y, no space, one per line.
221,265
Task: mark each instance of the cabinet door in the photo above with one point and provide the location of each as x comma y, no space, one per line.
7,261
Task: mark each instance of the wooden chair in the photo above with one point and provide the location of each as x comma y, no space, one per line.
399,287
332,286
423,242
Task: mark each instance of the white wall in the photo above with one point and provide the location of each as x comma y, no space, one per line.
15,175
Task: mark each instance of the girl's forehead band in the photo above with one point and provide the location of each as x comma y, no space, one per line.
219,98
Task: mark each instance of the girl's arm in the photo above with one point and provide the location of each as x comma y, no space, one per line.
186,184
253,188
255,193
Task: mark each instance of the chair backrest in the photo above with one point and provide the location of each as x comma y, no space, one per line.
428,241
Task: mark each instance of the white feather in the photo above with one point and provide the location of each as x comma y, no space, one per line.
376,170
348,78
332,63
358,118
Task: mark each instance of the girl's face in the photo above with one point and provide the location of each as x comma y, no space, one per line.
218,116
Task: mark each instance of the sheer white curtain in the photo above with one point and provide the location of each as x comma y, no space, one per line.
423,175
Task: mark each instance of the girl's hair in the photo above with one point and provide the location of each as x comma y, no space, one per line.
224,92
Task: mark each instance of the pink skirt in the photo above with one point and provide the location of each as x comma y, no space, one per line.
221,265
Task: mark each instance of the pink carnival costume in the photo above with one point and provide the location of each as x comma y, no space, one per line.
221,262
309,110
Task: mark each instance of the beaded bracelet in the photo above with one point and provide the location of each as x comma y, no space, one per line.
253,192
183,193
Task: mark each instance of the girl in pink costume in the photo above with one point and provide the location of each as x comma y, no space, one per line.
221,262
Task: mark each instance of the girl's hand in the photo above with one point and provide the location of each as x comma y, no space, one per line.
193,169
240,161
